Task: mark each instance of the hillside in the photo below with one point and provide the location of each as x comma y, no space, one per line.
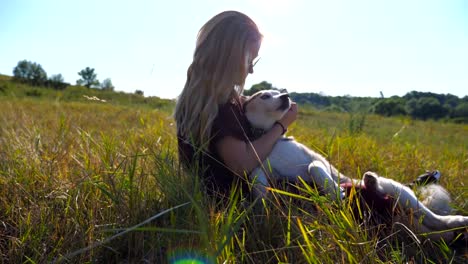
73,93
417,105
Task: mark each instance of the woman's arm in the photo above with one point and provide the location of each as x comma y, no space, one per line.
242,156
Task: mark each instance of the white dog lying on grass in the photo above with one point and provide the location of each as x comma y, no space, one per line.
290,159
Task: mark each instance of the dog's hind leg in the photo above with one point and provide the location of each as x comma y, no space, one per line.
323,179
407,200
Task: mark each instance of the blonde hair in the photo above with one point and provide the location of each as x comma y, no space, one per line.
216,75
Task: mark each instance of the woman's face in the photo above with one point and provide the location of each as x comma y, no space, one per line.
251,57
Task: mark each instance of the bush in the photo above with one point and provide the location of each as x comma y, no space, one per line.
57,82
356,123
3,88
34,93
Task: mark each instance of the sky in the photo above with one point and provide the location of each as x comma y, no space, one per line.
356,48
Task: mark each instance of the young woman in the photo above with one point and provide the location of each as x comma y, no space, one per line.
214,136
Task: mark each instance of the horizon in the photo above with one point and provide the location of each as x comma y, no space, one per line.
354,49
304,92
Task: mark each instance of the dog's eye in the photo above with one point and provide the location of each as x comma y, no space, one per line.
265,96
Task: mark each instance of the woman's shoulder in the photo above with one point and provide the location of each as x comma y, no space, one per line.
231,107
231,120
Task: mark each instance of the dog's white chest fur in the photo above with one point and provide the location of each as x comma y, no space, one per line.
290,158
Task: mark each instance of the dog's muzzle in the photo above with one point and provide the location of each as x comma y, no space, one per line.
285,102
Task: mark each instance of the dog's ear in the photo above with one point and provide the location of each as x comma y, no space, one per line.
251,107
250,99
283,90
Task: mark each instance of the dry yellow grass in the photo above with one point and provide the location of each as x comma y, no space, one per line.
75,174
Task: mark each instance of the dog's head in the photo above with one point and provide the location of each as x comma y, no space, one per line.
266,107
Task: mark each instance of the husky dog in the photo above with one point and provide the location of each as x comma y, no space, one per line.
290,159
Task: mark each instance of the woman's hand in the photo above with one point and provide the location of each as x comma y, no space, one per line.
242,157
290,116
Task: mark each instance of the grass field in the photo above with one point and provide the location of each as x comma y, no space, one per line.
85,182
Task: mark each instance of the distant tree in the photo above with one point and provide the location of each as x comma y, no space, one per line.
259,87
107,85
88,78
56,78
345,102
461,110
57,82
139,92
451,100
30,72
426,107
39,76
22,71
318,100
460,113
390,107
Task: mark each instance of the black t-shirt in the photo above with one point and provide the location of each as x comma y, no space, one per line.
217,177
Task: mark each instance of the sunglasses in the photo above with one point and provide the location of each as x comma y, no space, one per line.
252,64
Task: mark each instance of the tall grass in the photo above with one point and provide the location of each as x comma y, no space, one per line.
85,182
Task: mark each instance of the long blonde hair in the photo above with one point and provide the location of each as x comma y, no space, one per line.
217,73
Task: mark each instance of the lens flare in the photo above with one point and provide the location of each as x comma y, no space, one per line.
189,257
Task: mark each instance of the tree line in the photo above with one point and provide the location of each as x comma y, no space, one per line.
418,105
33,74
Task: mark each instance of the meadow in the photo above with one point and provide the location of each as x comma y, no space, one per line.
99,182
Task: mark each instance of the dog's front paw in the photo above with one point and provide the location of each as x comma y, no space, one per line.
371,180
